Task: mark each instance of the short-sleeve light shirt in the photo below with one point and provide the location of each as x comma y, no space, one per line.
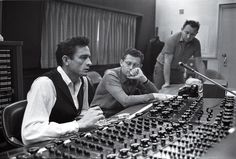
181,50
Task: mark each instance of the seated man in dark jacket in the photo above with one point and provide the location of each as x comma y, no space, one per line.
58,102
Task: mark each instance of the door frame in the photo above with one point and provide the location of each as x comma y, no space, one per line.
221,7
219,30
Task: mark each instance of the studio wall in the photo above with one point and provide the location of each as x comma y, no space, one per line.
171,15
22,21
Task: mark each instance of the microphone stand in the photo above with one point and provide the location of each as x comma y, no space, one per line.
205,77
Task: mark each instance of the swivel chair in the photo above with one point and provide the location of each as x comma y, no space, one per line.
12,117
95,78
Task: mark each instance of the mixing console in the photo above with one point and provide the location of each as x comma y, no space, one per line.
179,128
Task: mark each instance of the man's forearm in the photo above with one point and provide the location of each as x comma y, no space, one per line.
150,87
167,73
200,67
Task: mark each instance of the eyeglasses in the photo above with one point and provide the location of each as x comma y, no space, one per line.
191,34
134,65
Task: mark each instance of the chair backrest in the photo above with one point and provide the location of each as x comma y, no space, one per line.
12,117
94,77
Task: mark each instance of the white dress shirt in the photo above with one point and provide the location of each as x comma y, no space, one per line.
41,99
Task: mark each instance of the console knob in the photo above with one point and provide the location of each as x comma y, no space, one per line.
165,113
161,105
99,133
24,156
122,133
184,117
66,155
171,138
190,126
33,150
163,142
103,141
160,122
39,156
175,125
111,156
72,147
91,146
99,148
95,139
182,122
110,143
229,106
144,142
178,133
58,142
130,134
175,106
155,104
117,127
86,153
109,130
185,129
166,102
124,152
124,128
79,150
226,122
169,129
185,96
161,133
153,112
153,138
159,109
139,131
134,147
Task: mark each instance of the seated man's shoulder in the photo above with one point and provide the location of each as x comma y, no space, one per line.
42,81
111,75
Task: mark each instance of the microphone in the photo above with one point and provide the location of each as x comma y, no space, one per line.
205,77
186,66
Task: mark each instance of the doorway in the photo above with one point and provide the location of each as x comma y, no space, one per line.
226,46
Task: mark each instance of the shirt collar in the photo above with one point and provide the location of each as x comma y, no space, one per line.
64,75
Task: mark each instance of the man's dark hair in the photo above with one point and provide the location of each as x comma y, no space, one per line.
135,53
192,23
68,47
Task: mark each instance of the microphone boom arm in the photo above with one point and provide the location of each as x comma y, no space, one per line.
205,77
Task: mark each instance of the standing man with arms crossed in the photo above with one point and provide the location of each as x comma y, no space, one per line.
58,102
178,48
125,86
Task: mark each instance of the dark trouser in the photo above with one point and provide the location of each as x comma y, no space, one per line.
176,76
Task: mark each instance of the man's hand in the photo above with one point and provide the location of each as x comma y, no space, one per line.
162,96
137,74
90,118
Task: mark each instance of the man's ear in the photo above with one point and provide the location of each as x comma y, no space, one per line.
141,65
65,60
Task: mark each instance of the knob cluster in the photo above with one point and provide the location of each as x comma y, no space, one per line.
170,129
